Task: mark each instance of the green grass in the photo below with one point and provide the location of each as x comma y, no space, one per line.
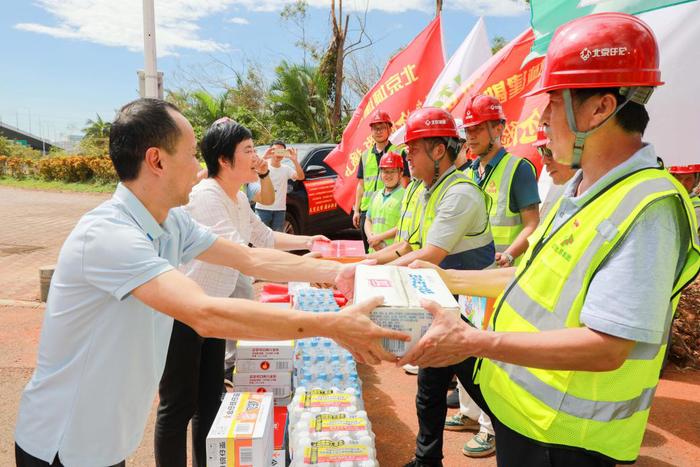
38,184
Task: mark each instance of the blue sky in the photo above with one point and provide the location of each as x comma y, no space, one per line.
64,61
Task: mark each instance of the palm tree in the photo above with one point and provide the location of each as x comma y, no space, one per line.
299,94
97,128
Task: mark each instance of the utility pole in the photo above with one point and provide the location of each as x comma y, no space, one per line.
150,89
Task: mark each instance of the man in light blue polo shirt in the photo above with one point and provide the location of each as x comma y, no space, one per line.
116,291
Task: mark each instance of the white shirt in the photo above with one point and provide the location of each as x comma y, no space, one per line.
279,177
211,206
102,351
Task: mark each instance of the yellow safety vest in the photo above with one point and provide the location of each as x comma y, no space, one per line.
384,213
505,224
695,199
428,209
371,182
409,220
605,412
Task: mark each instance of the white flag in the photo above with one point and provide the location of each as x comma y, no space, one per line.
474,52
673,108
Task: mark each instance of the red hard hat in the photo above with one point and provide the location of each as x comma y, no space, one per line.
391,160
379,116
429,122
603,50
482,108
685,169
542,138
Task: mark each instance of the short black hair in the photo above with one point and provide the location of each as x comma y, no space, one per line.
633,117
452,145
278,142
221,140
139,125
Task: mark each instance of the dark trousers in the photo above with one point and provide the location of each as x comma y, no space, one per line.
512,447
23,459
363,216
190,389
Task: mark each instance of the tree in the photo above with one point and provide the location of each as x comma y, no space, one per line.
97,128
497,44
296,13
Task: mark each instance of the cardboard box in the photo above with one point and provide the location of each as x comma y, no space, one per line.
280,378
242,433
402,289
263,366
278,392
265,350
279,454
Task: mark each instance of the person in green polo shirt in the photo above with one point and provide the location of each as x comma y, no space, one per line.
385,209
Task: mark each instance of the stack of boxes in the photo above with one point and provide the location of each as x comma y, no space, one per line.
265,366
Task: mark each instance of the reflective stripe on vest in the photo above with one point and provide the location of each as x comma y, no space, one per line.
384,213
371,182
428,209
505,224
408,226
606,411
695,199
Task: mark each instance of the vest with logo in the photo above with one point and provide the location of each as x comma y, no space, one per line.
371,182
428,210
384,213
605,412
409,219
505,224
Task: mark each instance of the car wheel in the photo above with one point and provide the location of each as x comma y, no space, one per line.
291,226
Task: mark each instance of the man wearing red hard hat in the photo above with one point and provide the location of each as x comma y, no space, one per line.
570,363
380,124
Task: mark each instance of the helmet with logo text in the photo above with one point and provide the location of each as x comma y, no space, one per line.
379,116
430,122
482,108
391,160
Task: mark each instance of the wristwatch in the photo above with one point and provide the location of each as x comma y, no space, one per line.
508,257
264,175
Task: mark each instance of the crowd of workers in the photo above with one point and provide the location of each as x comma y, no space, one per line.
565,369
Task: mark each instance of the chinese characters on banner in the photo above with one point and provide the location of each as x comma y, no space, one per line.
406,80
505,77
320,194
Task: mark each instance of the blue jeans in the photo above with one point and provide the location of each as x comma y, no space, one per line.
272,219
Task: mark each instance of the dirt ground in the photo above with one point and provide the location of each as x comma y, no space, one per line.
36,223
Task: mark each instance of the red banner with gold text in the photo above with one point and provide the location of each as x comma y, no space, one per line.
406,80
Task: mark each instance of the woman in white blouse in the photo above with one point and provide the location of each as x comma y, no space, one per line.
194,371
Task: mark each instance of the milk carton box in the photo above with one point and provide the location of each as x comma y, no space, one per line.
263,366
282,394
266,378
265,350
242,433
402,289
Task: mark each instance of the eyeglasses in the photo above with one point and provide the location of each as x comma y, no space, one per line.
545,152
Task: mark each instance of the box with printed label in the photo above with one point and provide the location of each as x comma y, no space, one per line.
279,454
280,378
263,366
265,350
402,289
278,392
242,433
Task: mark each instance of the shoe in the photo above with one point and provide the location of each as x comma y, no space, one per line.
416,463
459,422
481,445
453,399
410,369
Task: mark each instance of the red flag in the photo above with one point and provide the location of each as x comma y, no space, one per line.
406,80
503,78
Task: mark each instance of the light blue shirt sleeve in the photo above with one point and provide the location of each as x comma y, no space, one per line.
629,296
195,238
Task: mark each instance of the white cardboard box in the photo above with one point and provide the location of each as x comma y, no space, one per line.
263,366
279,392
265,350
242,432
402,289
279,378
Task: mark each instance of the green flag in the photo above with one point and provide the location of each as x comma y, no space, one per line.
547,15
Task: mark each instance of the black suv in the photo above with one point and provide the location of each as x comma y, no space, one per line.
311,208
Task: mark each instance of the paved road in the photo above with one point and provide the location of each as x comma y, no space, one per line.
34,225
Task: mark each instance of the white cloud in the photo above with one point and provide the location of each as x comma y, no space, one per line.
120,23
237,20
